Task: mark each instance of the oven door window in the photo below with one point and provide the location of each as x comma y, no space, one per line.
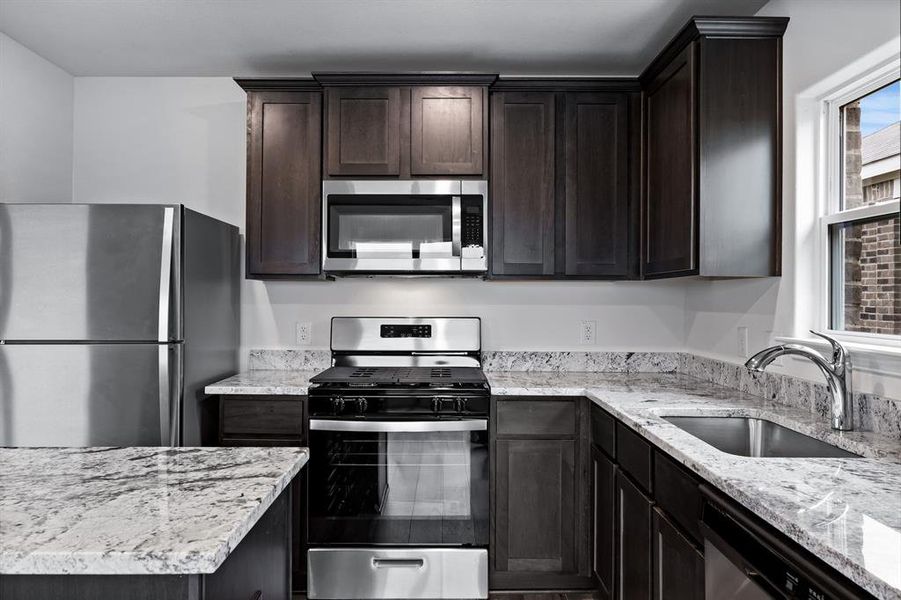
363,226
399,488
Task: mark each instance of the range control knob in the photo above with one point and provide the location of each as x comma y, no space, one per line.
362,405
461,405
436,405
338,405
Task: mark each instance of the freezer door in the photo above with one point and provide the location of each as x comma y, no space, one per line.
100,272
90,394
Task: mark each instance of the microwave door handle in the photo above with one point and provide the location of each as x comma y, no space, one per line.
456,226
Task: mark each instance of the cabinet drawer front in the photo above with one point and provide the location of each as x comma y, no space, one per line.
536,417
603,431
260,442
635,456
262,417
676,491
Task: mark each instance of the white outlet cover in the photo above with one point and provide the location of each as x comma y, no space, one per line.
303,331
587,331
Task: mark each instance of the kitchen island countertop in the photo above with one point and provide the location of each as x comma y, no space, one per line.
137,510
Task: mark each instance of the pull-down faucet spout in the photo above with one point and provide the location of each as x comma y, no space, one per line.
837,372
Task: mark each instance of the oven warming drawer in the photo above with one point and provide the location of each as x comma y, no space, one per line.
390,574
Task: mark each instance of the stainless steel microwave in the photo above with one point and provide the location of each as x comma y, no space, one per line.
404,227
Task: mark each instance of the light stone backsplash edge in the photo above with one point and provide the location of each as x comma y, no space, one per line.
872,412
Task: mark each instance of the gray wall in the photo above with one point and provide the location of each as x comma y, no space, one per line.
36,113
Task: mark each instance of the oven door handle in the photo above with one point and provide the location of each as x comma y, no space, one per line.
398,426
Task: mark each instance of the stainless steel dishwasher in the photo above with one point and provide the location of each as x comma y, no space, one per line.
744,559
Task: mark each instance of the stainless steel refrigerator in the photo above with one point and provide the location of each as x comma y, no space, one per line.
113,317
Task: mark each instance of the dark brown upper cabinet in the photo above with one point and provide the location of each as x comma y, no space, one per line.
523,195
713,137
563,174
283,178
363,131
597,186
446,132
670,207
405,126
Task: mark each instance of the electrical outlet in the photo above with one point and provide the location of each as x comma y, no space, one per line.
587,332
303,333
743,341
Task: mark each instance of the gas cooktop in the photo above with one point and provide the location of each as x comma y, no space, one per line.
436,376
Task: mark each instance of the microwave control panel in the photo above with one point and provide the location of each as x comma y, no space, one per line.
473,221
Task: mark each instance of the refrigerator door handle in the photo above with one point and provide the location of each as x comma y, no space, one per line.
166,272
170,393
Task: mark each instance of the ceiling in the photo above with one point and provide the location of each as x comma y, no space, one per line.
294,37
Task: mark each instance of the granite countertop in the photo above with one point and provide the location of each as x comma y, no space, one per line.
264,382
846,511
142,510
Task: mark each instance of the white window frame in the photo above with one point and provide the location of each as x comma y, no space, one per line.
829,198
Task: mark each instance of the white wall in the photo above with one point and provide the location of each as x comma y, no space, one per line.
35,127
825,43
182,140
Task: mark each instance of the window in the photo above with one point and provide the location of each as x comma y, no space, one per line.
861,224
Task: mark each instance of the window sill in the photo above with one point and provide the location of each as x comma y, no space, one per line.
872,354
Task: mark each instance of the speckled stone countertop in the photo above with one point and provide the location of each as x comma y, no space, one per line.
114,511
847,511
264,382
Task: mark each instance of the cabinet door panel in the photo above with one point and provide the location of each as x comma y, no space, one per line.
446,130
535,512
363,131
597,190
521,416
522,183
603,502
635,541
283,189
671,236
678,564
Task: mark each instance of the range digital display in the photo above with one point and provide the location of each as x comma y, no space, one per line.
406,331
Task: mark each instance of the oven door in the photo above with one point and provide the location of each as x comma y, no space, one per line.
402,226
399,483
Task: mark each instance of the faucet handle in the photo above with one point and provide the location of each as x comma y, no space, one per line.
838,351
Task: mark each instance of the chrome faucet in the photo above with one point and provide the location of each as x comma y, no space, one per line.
837,372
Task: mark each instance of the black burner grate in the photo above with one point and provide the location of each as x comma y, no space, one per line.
402,376
363,373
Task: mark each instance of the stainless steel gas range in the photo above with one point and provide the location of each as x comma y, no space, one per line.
399,462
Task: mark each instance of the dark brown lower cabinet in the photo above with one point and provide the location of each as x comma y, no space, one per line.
273,421
540,510
634,541
679,564
603,503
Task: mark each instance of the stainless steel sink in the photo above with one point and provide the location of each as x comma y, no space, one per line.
746,436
